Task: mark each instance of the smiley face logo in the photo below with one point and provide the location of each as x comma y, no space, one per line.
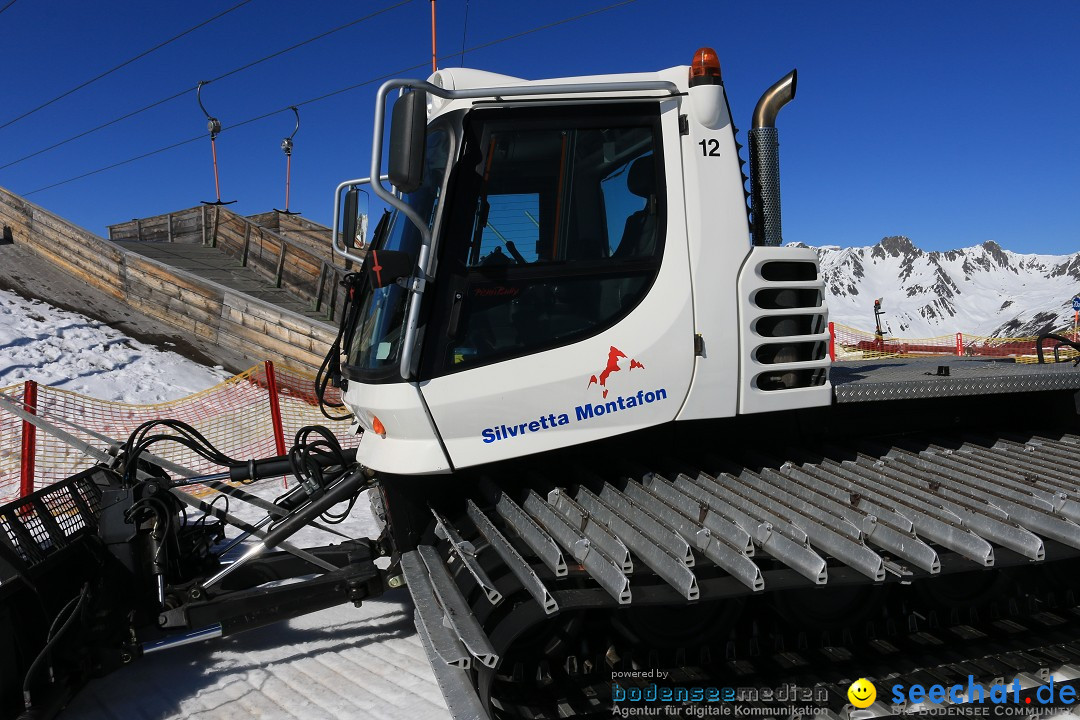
862,693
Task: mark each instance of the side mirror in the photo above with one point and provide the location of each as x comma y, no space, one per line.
350,222
386,267
408,130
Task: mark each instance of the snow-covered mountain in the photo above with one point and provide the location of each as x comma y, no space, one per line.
982,290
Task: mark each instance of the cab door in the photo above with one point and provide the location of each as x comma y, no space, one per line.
563,308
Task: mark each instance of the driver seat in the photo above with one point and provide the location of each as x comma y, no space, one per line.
639,236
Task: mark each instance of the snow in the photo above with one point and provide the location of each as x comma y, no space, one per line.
67,350
344,662
339,663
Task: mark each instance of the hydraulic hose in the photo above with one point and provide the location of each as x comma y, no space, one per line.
52,641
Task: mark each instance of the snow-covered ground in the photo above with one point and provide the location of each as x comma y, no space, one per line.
344,662
61,348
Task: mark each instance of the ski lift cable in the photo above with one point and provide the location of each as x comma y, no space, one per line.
185,91
124,64
325,96
7,6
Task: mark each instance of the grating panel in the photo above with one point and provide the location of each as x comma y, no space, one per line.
22,544
874,380
62,507
45,521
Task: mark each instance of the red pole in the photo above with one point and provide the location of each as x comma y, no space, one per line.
275,410
959,344
832,341
434,67
29,440
288,173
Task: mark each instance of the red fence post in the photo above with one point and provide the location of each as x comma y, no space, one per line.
832,341
959,344
275,410
29,440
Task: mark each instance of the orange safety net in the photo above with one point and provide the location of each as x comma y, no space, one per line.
852,344
234,416
10,447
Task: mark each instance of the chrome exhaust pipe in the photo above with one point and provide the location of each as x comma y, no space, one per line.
765,161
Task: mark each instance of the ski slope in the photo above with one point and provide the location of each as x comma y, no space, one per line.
70,351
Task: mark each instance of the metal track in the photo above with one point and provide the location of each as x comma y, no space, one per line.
882,515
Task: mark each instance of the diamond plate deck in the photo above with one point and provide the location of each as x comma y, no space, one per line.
875,380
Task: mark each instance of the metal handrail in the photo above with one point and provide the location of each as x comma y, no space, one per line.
1061,340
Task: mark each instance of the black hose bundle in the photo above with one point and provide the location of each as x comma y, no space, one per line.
330,370
184,434
310,458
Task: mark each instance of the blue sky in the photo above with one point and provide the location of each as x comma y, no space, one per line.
952,123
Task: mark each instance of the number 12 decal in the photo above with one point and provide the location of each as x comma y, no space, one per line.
710,147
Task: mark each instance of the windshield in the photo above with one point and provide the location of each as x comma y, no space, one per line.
375,344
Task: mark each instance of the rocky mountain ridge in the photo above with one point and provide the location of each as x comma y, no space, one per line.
981,290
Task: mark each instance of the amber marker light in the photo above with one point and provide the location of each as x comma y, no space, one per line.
705,69
377,426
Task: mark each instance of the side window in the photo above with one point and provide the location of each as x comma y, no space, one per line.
512,221
558,233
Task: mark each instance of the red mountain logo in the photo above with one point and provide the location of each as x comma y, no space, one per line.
613,358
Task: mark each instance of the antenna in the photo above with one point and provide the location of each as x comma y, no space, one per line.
213,126
287,146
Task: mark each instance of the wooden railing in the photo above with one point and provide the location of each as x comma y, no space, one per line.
311,234
287,263
241,324
183,227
